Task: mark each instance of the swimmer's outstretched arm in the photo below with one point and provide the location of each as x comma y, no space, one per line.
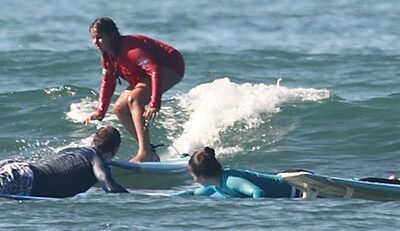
104,177
202,191
244,187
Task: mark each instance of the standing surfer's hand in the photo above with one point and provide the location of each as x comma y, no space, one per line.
86,121
151,113
94,116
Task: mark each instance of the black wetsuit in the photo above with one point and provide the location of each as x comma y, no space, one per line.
68,173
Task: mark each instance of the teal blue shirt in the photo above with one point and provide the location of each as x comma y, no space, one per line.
244,183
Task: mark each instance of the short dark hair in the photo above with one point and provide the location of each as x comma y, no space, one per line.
107,139
204,163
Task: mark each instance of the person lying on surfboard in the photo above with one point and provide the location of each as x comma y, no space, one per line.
150,67
207,171
71,171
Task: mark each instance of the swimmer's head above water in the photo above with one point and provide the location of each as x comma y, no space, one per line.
204,165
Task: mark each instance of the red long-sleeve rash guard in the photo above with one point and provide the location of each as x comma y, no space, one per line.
139,57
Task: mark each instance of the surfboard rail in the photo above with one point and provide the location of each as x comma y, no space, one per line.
314,186
151,175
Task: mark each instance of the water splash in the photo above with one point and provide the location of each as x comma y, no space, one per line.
78,112
214,107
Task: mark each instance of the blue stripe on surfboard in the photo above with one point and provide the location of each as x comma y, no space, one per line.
25,198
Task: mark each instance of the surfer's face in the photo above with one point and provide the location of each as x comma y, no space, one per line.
101,41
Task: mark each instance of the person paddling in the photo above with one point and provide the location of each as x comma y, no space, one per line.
207,171
71,171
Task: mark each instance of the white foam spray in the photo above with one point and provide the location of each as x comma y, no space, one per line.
78,112
214,107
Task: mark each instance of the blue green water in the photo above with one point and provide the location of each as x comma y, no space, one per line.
335,112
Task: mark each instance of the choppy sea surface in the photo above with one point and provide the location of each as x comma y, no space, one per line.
271,85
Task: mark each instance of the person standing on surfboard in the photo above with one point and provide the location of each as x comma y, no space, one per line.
73,170
150,67
207,171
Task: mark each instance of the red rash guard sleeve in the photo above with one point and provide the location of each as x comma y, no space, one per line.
151,69
107,88
155,99
106,91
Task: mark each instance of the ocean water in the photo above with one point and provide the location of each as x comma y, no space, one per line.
271,85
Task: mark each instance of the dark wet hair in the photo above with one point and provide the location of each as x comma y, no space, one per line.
107,139
204,163
105,25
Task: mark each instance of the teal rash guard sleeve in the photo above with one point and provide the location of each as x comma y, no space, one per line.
202,191
244,187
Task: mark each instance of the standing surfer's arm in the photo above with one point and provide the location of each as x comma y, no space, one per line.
107,87
106,90
152,69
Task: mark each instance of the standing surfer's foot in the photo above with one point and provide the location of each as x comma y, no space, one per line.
153,157
144,157
138,158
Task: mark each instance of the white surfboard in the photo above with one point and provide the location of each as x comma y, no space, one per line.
151,175
314,186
